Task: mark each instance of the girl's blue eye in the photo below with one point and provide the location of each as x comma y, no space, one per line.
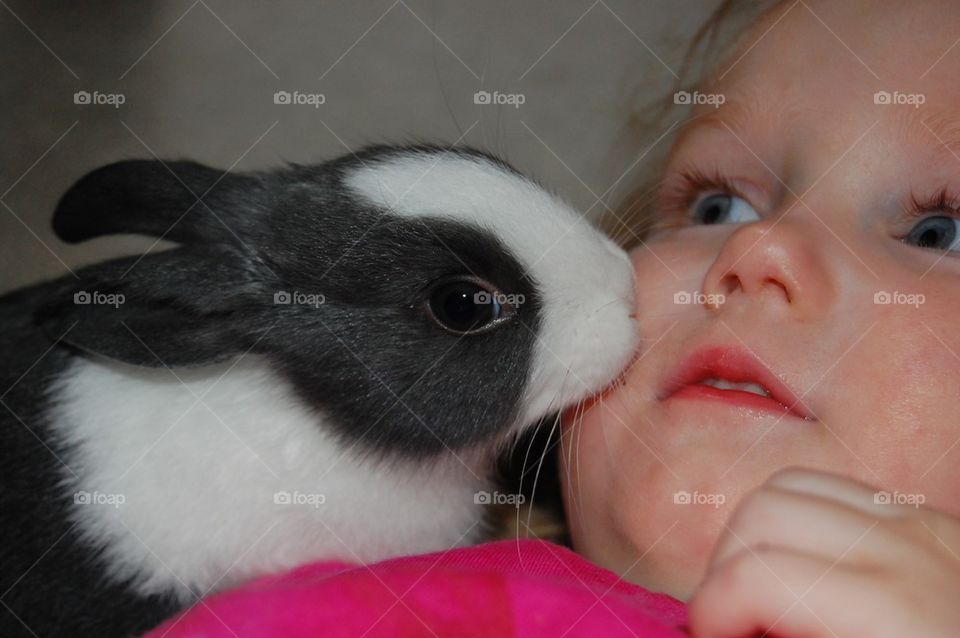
938,232
724,209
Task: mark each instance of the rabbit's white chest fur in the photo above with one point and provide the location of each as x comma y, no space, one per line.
218,474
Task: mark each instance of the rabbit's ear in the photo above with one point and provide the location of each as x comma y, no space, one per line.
176,308
181,201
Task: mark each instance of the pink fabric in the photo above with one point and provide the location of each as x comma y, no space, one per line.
510,588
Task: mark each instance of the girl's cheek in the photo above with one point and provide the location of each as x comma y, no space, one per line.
662,268
679,255
909,430
669,266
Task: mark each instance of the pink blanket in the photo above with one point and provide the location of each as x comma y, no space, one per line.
510,588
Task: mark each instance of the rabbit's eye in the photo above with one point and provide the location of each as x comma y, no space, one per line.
468,305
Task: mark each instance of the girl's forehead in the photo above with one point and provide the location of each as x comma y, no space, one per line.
809,68
891,42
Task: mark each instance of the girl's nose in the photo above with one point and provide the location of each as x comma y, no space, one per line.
776,262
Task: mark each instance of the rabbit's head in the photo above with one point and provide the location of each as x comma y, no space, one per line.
423,297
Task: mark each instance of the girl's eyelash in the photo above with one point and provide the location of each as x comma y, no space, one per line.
687,186
940,202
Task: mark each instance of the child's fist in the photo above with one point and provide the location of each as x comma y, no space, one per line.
812,554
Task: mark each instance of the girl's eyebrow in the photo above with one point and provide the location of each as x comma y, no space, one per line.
942,125
738,113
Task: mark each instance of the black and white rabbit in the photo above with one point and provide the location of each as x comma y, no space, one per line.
324,367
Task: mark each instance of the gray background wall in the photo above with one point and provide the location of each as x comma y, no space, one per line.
198,78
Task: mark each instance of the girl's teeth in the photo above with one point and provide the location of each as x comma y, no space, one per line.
722,384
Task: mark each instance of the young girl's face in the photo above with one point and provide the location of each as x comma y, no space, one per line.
817,208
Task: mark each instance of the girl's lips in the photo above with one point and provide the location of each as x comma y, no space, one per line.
735,366
737,398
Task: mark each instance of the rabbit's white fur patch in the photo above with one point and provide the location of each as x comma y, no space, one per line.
180,473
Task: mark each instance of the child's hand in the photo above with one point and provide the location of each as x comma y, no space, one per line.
812,554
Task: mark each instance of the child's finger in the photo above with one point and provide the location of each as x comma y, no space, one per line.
806,523
903,516
839,488
788,593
